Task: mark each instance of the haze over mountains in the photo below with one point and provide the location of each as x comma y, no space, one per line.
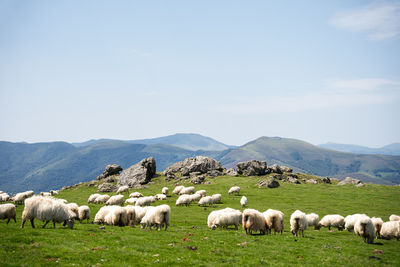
45,166
392,149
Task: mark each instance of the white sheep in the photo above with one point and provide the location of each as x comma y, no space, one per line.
160,197
130,214
136,194
243,201
224,218
274,220
140,212
394,217
74,208
187,190
165,191
234,190
298,223
365,228
20,197
216,198
331,220
4,197
207,200
101,199
54,192
92,198
131,200
158,216
116,200
8,211
84,213
253,220
202,193
62,200
47,209
145,201
390,230
45,194
350,221
377,225
101,214
116,216
312,219
123,189
183,200
177,189
194,198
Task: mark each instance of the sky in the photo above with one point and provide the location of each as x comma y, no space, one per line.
319,71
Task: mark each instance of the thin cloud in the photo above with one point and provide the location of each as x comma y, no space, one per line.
380,20
365,84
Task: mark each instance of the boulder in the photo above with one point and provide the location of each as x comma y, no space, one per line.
197,179
270,183
326,180
292,180
138,174
231,172
359,185
252,168
111,169
200,164
176,167
293,175
275,169
349,180
312,181
215,173
286,169
107,187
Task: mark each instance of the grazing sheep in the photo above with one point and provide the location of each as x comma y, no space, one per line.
115,200
216,198
20,197
377,225
145,201
177,189
62,200
101,214
116,216
158,216
160,197
54,192
74,208
224,218
394,217
234,190
195,197
183,200
187,190
92,198
390,230
123,189
84,213
274,220
202,193
243,201
332,220
45,194
47,209
140,212
298,223
102,199
312,219
7,211
131,200
4,197
253,220
207,200
350,221
165,191
130,214
365,228
136,194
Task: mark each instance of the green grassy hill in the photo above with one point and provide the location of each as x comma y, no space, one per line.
189,242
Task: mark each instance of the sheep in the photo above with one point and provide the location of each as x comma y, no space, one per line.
365,228
8,211
390,230
243,201
205,201
20,197
130,214
274,220
136,194
101,199
312,219
350,220
74,208
123,189
158,216
177,189
377,225
83,213
202,193
54,192
116,200
187,190
253,220
47,209
216,198
165,191
131,200
234,189
92,198
145,201
298,222
62,200
194,197
4,197
332,220
101,214
224,218
116,216
160,197
183,200
394,217
45,194
140,212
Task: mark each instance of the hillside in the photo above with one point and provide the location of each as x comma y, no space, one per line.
392,149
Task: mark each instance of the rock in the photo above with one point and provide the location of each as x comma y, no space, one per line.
311,181
252,168
111,169
170,176
293,175
270,183
349,180
208,182
326,180
198,165
286,169
231,172
359,185
110,179
107,187
174,168
140,173
197,180
277,176
215,173
293,180
193,174
91,183
275,169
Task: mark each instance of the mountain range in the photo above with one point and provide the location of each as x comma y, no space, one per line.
392,149
45,166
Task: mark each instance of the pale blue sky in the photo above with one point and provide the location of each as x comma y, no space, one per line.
233,70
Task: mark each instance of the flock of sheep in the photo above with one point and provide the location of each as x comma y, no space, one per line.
46,208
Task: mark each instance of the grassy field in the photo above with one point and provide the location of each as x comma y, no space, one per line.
188,241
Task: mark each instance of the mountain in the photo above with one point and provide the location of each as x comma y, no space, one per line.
392,149
307,158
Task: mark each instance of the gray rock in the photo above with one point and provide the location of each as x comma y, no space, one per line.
215,173
286,169
231,172
293,180
252,168
91,183
326,180
293,175
270,183
349,180
107,187
200,164
312,181
174,168
275,169
197,180
110,179
277,176
359,185
111,169
138,174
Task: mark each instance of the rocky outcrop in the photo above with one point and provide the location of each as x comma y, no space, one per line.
198,179
311,181
275,169
231,172
286,169
270,183
326,180
198,165
350,180
252,168
107,187
111,169
138,174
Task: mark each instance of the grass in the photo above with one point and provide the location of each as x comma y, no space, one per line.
188,241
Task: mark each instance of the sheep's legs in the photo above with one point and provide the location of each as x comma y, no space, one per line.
45,224
32,223
8,220
54,224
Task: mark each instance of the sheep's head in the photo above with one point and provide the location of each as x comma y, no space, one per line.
318,226
70,223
